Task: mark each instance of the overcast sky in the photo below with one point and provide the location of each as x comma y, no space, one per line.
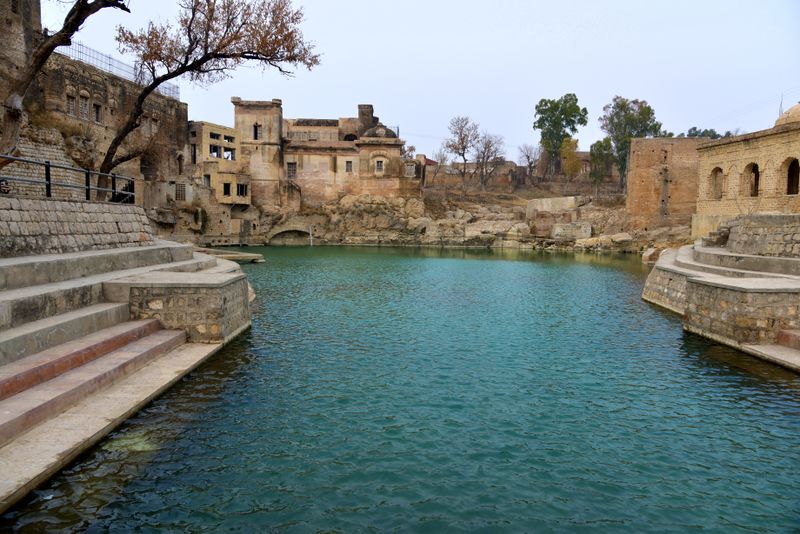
711,64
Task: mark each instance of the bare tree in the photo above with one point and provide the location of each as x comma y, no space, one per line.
409,151
440,156
528,157
488,154
209,40
23,79
463,138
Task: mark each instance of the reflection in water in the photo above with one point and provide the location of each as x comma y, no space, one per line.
429,390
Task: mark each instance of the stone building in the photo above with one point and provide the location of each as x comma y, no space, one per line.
318,160
662,181
749,174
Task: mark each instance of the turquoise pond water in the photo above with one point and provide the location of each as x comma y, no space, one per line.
456,391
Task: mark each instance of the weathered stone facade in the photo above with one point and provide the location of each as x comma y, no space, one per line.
749,174
31,226
662,181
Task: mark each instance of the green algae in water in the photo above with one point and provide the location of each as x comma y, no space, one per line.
424,390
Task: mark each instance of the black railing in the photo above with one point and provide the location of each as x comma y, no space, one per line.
125,195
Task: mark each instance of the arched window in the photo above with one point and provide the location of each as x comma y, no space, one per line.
751,179
350,137
793,178
717,184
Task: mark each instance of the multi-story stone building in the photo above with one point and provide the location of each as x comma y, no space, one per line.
748,174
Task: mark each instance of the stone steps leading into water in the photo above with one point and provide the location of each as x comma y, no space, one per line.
26,409
33,457
48,364
36,336
25,271
27,304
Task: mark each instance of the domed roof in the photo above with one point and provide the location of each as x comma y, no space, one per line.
792,115
380,131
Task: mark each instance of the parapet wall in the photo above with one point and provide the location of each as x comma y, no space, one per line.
766,235
33,226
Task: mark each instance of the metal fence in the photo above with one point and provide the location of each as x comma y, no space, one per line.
123,195
104,62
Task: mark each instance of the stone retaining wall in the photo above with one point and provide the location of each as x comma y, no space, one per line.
766,235
666,288
739,317
211,310
39,226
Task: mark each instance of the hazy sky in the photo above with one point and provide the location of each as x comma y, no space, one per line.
712,64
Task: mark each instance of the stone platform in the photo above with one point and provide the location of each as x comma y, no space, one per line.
729,294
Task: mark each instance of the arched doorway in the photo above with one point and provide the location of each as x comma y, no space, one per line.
717,183
751,179
793,178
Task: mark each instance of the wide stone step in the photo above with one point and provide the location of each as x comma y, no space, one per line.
789,338
784,356
36,336
26,304
29,271
33,457
721,257
48,364
27,409
684,258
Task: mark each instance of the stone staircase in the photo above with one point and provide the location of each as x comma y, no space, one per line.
76,358
747,301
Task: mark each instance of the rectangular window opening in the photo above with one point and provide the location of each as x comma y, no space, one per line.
241,190
180,192
97,112
256,132
207,180
214,151
71,105
229,154
348,166
379,166
229,139
213,135
291,170
226,189
84,109
194,154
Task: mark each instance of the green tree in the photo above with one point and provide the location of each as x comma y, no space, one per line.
570,164
557,120
623,120
601,155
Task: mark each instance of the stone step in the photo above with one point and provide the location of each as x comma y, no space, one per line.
31,407
26,304
685,259
789,338
222,265
721,257
26,271
46,365
778,354
36,336
31,458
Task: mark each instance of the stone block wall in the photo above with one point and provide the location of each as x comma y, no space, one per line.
739,317
766,235
211,311
666,288
39,226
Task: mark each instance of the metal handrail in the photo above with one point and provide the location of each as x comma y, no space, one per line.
117,195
